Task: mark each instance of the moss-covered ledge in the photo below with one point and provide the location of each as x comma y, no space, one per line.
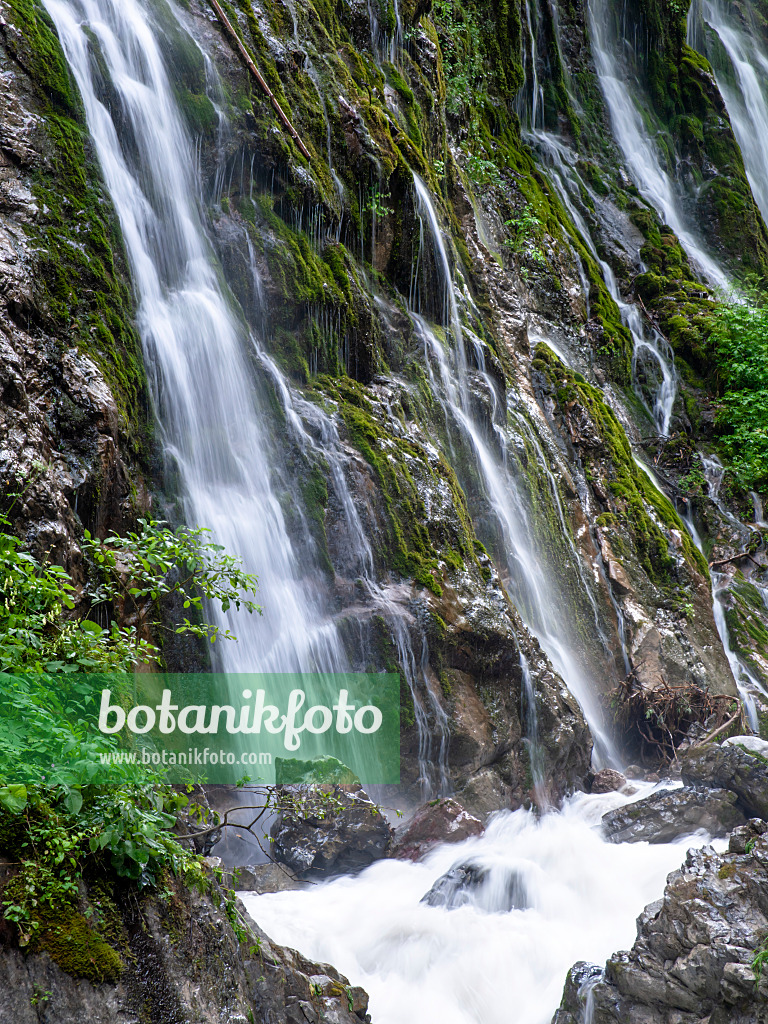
84,290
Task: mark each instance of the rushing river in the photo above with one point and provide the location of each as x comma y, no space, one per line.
476,964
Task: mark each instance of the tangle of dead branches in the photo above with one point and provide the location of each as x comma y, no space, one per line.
656,721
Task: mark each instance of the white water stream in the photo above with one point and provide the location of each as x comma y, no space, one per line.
613,53
648,344
530,582
730,38
205,400
479,963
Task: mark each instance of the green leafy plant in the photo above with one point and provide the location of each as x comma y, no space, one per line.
376,202
526,236
62,811
740,336
760,960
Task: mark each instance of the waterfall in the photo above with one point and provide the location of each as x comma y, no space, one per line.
746,682
210,415
650,349
541,607
729,37
614,55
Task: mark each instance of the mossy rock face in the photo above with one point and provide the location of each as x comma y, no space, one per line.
70,941
83,281
623,489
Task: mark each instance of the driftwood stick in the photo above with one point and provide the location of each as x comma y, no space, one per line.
257,75
720,729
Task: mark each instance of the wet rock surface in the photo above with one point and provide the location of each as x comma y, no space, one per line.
605,781
440,821
262,878
346,833
182,964
694,958
731,766
669,815
471,884
67,441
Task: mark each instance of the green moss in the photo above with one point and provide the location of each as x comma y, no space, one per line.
410,548
634,497
82,275
314,492
70,941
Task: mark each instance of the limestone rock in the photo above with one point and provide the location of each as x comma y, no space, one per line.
692,961
606,781
730,766
349,833
441,821
204,975
666,816
472,884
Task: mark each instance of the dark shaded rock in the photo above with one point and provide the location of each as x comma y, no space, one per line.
743,838
730,766
183,964
666,816
692,961
606,781
476,885
346,833
262,878
441,821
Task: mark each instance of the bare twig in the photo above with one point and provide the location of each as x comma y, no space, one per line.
721,728
257,75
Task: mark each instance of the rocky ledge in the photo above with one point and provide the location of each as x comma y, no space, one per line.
699,954
183,957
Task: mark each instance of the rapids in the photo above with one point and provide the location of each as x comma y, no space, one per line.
479,964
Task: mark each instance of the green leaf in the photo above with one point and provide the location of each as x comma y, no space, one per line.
13,798
74,801
91,627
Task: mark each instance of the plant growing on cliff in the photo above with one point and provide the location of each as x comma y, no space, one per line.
42,631
62,811
740,336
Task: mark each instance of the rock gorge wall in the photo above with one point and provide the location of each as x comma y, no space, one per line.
337,269
75,428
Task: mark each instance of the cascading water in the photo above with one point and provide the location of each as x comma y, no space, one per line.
206,404
649,347
614,56
529,582
480,963
746,681
729,36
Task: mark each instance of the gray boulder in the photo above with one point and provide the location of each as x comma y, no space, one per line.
666,816
495,891
343,833
731,766
692,962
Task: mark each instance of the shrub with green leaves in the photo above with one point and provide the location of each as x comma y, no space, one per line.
740,337
62,811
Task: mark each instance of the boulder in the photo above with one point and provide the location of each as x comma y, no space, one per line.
474,884
666,816
342,833
440,821
692,962
606,781
261,878
735,765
